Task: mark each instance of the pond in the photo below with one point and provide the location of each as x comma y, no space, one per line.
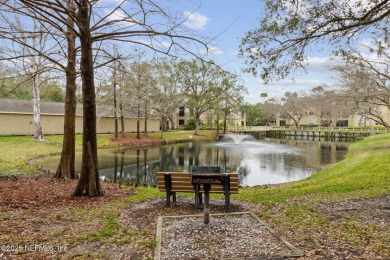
258,162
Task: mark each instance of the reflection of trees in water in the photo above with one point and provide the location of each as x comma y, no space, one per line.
243,172
230,160
318,153
115,166
167,159
140,167
133,174
138,170
122,164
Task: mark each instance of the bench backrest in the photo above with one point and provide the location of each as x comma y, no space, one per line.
215,169
181,182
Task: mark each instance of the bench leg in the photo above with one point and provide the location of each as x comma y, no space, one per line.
197,193
226,189
168,188
168,198
227,201
174,196
206,217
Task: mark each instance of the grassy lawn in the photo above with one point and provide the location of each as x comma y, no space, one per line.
16,151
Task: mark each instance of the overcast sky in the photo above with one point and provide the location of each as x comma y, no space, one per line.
230,19
226,21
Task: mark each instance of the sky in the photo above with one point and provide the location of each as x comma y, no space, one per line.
230,19
226,21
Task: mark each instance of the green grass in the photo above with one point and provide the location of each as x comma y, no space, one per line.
108,228
17,151
144,193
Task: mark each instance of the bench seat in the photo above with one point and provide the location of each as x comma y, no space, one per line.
181,182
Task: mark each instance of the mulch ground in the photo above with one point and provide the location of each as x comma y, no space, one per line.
43,192
131,142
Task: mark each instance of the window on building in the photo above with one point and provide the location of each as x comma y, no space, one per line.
181,111
312,122
342,123
311,113
181,121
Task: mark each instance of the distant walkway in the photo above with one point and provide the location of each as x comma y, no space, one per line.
255,128
258,128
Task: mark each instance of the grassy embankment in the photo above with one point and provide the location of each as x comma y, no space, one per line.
17,151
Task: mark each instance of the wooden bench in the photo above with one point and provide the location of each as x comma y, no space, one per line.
172,182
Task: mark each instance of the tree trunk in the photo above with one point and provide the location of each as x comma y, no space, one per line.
170,118
146,119
161,126
138,119
164,123
89,182
121,109
38,135
66,168
197,119
224,120
37,66
122,120
218,122
115,101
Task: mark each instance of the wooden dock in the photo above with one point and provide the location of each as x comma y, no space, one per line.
307,133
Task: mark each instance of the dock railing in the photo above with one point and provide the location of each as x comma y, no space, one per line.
377,130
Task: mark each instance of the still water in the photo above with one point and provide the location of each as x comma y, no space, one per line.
258,162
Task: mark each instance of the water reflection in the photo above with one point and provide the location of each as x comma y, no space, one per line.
257,162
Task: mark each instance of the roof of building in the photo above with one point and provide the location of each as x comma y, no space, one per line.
26,107
15,106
